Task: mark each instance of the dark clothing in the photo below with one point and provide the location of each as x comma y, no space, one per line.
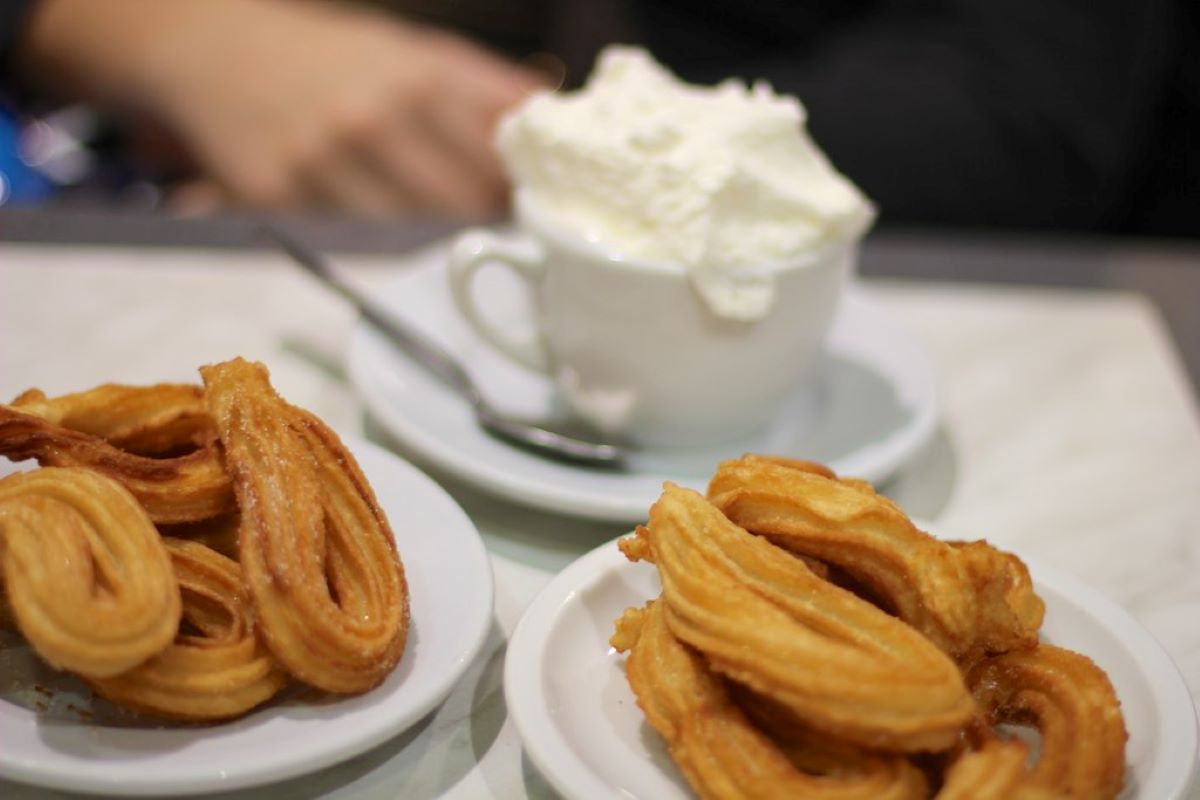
13,15
1076,114
1166,197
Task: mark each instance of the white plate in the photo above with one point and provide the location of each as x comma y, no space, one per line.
874,407
566,691
450,584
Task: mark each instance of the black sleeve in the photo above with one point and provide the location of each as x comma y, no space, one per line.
14,14
977,112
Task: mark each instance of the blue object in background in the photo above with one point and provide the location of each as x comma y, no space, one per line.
19,182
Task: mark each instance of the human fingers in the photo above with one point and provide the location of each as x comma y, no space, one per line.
451,123
465,132
476,91
197,198
384,156
349,180
422,160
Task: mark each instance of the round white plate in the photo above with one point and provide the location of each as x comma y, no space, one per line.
566,691
450,584
873,407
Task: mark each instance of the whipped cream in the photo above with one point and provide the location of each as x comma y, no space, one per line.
722,180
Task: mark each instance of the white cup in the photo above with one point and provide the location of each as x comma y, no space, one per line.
634,347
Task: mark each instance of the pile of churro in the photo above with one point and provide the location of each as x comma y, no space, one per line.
189,550
810,641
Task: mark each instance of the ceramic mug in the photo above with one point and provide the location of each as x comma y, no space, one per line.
636,349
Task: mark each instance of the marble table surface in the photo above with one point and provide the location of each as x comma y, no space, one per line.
1069,433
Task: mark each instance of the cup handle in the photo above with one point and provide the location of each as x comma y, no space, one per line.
527,260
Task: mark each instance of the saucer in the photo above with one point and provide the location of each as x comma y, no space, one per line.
56,734
872,407
580,724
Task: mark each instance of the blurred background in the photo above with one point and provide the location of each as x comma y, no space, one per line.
1038,115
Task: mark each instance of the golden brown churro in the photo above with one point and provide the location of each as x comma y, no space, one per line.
718,750
1072,704
216,533
317,553
221,670
185,488
320,594
772,659
966,597
763,619
165,419
86,574
997,771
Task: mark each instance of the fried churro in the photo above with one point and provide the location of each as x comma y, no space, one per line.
184,488
217,671
1072,704
967,597
164,419
721,754
318,556
85,572
763,619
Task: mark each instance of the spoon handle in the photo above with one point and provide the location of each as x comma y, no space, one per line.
435,358
419,347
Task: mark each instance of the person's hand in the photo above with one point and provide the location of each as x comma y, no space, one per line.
289,103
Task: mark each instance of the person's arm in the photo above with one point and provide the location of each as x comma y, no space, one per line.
978,112
288,103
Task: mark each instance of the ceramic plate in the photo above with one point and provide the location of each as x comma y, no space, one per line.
873,407
53,736
566,690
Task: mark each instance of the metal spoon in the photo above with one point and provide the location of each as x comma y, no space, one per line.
536,437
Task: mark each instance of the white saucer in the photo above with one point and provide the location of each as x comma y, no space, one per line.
566,691
450,583
875,404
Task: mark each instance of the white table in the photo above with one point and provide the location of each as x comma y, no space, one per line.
1069,434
